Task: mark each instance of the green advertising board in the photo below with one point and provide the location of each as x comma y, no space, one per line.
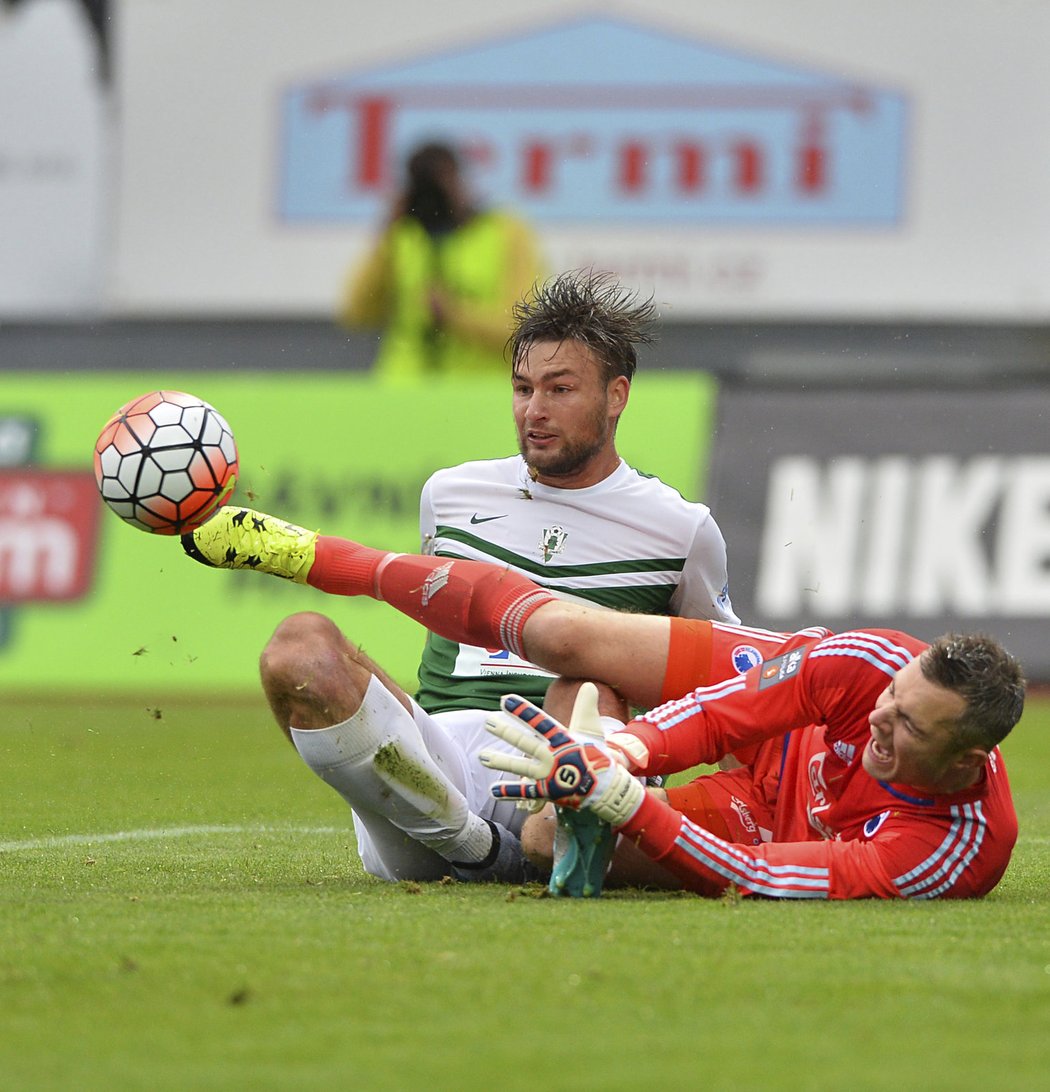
334,452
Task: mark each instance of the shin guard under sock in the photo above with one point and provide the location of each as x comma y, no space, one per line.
473,602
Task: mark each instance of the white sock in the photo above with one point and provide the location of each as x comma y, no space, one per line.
377,762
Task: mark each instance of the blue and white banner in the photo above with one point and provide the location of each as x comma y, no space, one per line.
604,121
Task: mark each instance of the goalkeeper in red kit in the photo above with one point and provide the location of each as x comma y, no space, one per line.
870,760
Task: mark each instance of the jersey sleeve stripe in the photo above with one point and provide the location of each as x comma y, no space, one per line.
669,714
943,867
753,873
958,814
753,633
860,655
880,653
892,654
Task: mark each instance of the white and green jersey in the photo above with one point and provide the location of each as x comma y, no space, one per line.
628,543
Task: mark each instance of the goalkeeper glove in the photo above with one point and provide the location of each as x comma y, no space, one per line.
583,843
561,769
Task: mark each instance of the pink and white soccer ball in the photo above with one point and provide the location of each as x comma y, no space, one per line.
165,462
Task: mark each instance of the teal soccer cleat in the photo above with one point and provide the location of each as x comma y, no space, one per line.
583,848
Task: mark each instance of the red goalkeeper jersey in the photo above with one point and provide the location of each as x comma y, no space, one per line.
837,832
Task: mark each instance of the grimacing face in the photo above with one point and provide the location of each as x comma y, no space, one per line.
912,740
565,413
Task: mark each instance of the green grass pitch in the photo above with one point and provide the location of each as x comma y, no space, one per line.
181,908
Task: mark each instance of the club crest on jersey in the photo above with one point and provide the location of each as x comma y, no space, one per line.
746,657
553,541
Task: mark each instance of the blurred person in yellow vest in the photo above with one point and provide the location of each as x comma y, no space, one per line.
443,277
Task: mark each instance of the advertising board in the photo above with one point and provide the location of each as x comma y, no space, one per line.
921,510
89,603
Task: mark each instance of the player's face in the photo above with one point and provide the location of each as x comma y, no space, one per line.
911,734
565,413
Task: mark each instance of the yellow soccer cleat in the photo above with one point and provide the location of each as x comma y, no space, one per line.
239,538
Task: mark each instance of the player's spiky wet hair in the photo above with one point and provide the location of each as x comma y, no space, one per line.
987,677
589,307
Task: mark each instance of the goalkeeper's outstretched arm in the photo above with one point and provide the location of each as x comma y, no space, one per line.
575,773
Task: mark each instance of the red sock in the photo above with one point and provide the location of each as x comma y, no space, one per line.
470,601
342,567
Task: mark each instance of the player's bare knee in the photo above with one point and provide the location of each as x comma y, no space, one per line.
306,626
309,672
298,642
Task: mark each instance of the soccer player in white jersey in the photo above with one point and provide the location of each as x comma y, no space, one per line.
569,514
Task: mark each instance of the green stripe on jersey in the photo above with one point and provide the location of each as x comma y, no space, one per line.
557,572
634,598
650,599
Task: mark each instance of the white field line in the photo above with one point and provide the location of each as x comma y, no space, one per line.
148,834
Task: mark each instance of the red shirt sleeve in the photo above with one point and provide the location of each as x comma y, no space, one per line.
903,858
832,680
712,721
708,865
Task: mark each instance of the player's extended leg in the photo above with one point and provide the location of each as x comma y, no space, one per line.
405,780
468,601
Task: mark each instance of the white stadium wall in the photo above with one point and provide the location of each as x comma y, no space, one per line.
55,191
818,159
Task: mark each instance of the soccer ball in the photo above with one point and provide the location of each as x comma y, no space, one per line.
165,462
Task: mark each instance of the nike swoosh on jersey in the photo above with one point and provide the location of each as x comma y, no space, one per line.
485,519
